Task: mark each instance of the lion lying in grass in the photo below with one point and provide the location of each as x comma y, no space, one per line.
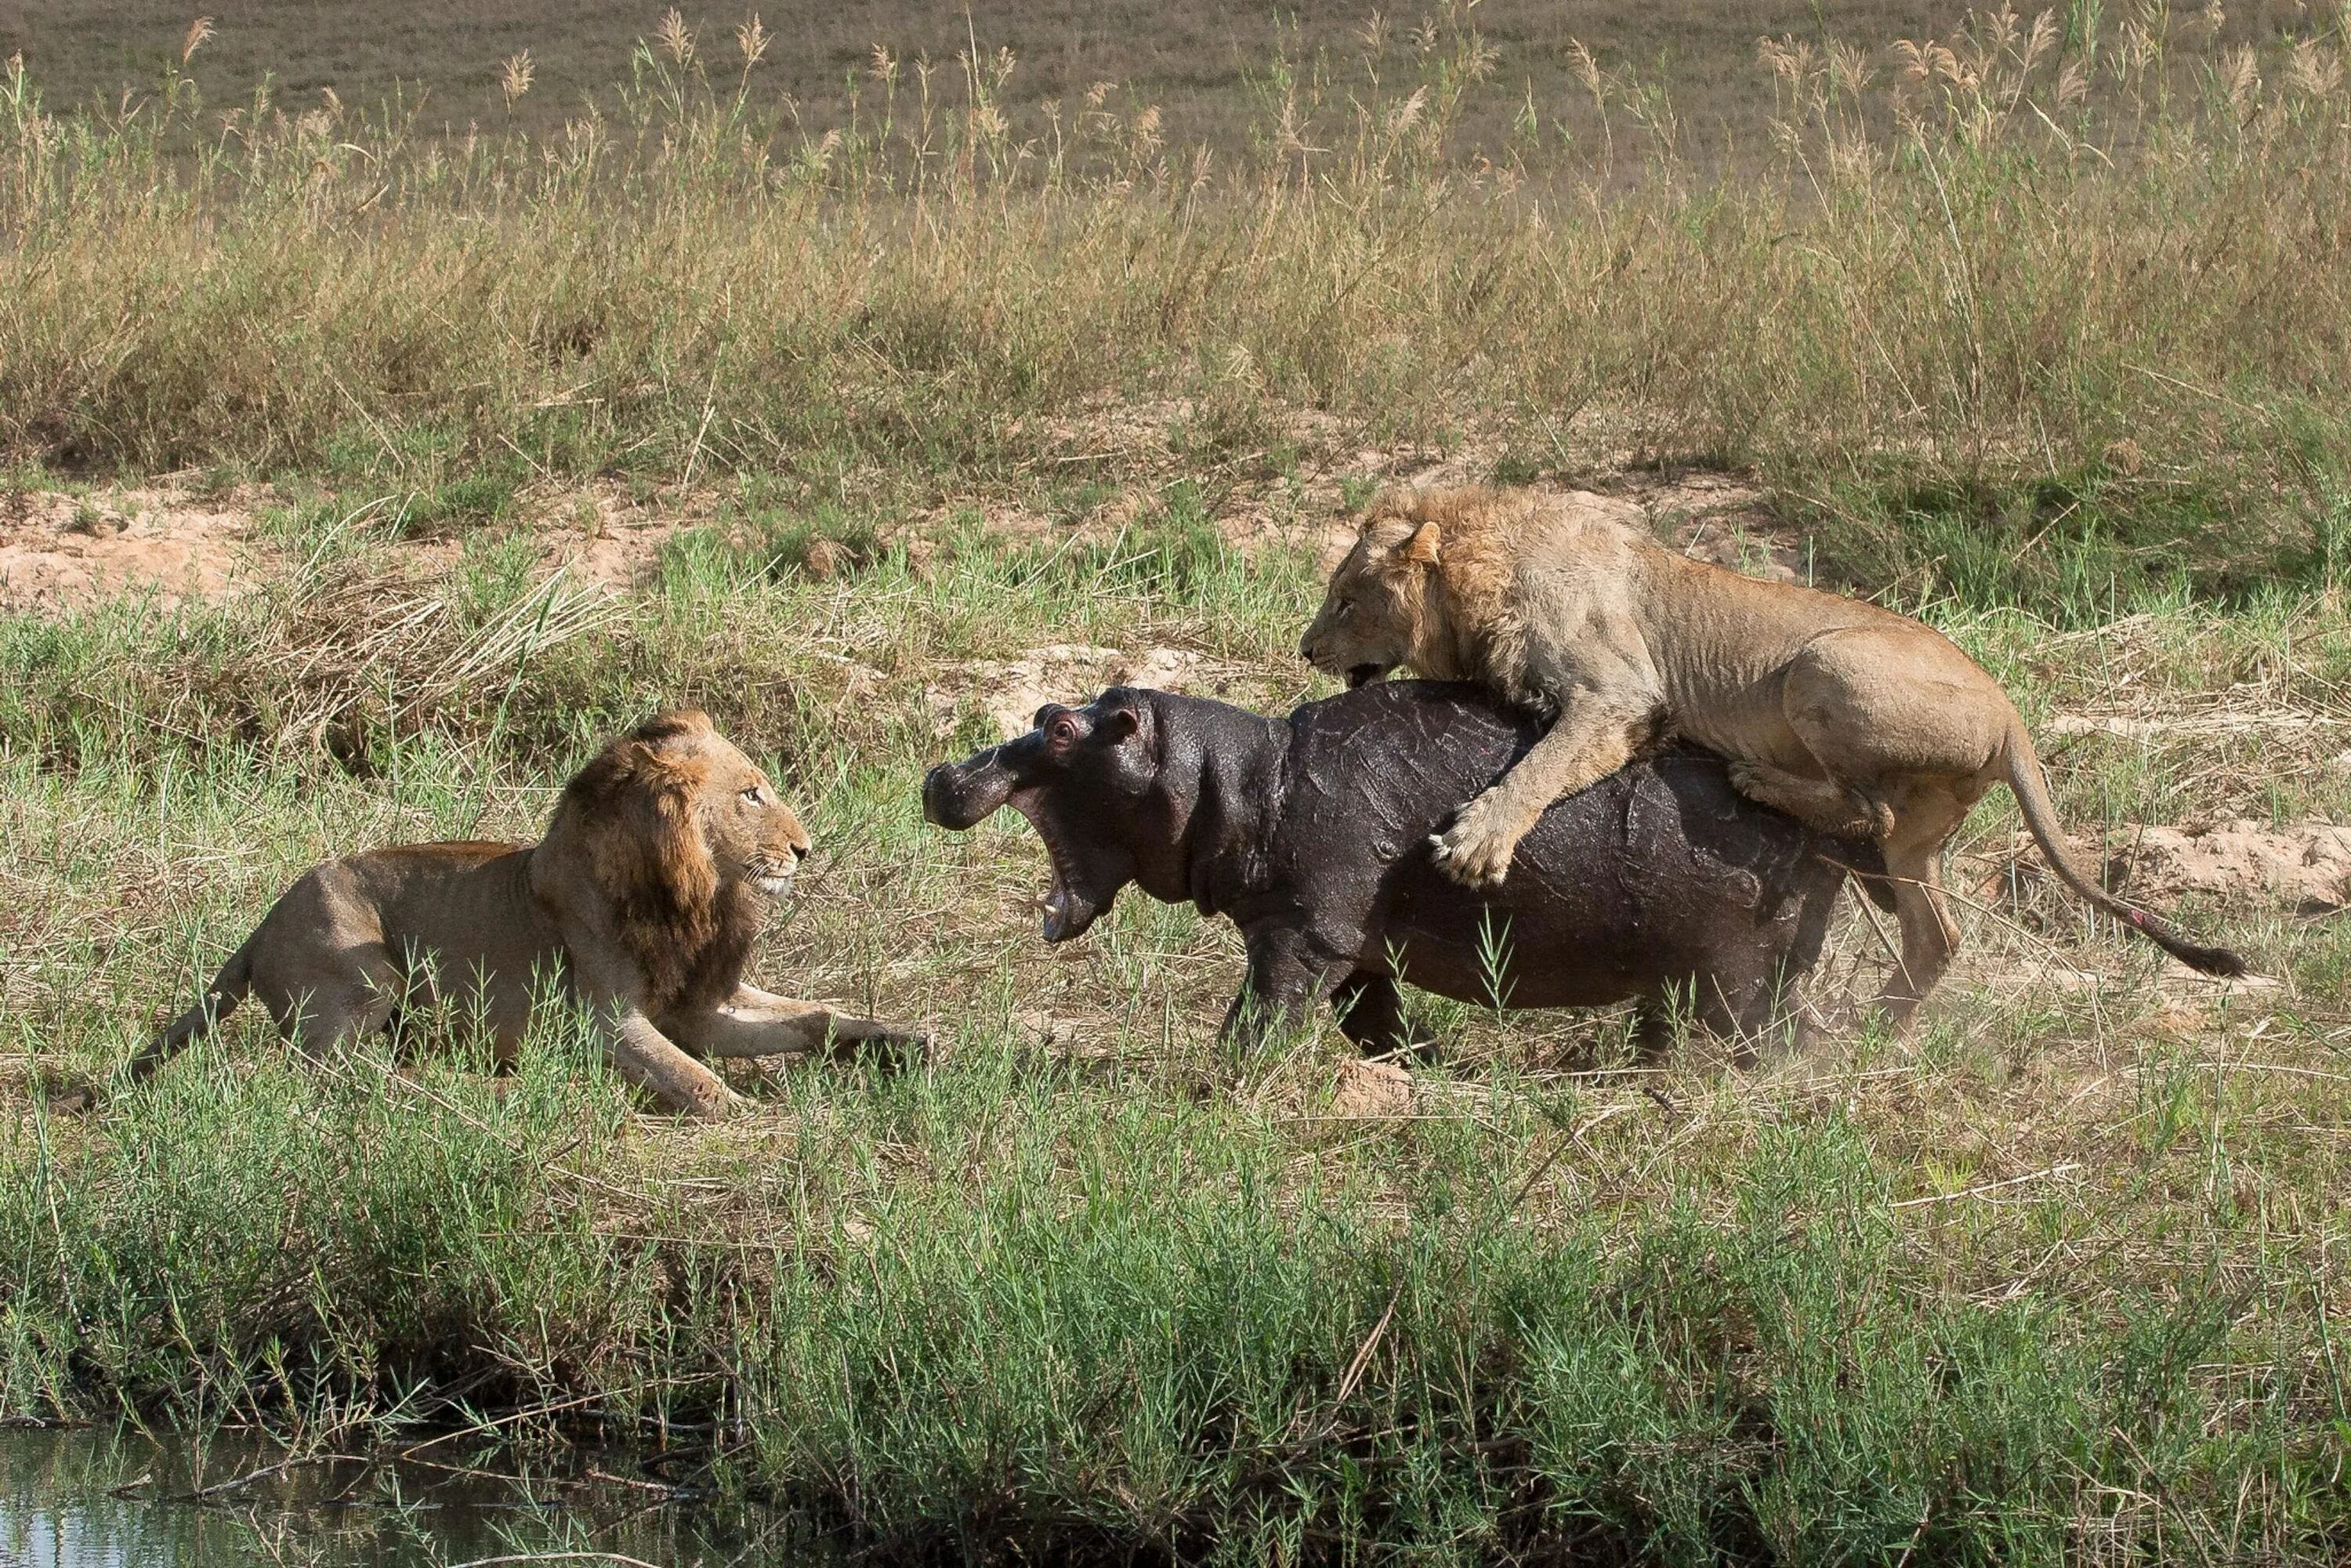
1847,717
641,902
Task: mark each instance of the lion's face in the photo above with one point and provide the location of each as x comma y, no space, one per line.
1374,609
751,835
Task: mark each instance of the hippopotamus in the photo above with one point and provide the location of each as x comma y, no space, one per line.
1659,884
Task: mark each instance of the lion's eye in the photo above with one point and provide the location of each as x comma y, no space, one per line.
752,795
1346,607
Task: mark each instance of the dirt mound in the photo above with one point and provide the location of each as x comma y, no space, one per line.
613,541
1716,518
1012,691
2303,866
60,551
2306,867
1371,1089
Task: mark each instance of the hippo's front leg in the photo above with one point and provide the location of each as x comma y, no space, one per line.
1290,974
1371,1014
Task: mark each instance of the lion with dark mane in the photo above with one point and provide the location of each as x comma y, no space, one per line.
641,904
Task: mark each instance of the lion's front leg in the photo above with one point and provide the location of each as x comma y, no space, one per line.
1594,737
759,1023
649,1059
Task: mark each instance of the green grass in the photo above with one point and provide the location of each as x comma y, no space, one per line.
2084,294
1088,1285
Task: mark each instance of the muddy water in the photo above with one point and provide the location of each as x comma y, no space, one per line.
118,1500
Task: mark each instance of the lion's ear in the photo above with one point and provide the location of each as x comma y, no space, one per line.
1421,547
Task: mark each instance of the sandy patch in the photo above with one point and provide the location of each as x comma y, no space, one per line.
1371,1089
2303,866
61,552
610,538
1011,691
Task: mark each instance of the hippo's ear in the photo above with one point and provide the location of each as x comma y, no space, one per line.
1117,724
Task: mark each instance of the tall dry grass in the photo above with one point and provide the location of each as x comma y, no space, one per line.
2032,277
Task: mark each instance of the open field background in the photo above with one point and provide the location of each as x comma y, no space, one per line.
864,443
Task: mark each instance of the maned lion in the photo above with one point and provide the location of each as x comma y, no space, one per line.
642,902
1847,717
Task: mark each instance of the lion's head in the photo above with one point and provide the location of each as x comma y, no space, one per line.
683,834
1377,613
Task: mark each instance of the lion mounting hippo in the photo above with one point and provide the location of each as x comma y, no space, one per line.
1850,717
643,898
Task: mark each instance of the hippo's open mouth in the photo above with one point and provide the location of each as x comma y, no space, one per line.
1364,675
1067,910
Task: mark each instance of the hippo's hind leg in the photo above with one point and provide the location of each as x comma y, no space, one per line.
1739,1005
1371,1012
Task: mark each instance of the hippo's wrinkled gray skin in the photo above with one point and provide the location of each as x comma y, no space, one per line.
1312,833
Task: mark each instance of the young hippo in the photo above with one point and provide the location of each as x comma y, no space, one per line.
1312,834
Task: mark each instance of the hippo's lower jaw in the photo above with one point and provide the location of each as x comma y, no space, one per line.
1063,919
960,795
1067,913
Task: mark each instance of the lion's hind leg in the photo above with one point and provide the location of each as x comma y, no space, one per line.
1926,815
1902,720
1821,804
351,995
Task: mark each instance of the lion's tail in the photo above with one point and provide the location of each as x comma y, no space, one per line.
229,987
2040,815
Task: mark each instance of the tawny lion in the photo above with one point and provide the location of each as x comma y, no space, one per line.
641,902
1848,716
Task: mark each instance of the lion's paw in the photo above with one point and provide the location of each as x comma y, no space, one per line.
1474,852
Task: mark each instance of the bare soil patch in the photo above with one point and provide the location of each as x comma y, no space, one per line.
1371,1089
2303,866
1011,691
59,552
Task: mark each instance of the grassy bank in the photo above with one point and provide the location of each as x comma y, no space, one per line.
2063,1281
2050,312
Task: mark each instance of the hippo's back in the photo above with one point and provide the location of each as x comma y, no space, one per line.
1651,875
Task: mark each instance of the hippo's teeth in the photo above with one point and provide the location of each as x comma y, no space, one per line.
1056,905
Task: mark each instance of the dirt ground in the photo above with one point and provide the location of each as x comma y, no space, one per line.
59,551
